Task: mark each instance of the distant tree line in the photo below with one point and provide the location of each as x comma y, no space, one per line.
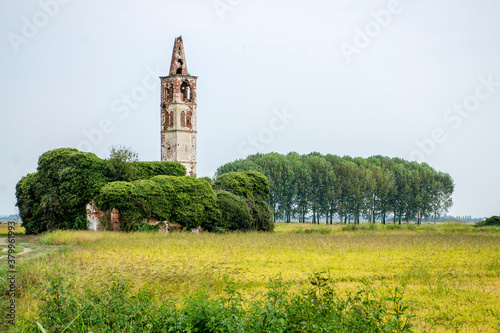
349,188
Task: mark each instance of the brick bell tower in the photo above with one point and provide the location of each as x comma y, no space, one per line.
178,112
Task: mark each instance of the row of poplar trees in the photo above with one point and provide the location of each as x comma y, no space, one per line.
331,187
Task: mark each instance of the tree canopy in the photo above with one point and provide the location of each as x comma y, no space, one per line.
349,188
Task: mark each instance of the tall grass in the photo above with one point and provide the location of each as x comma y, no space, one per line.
4,229
319,308
451,272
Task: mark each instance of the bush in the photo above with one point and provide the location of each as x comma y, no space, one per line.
185,200
235,214
56,195
252,186
146,170
261,215
494,220
115,307
194,202
248,184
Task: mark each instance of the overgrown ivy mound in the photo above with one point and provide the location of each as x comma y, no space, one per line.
235,214
55,197
253,187
186,200
490,221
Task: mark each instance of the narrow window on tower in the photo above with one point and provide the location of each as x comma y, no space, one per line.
179,69
171,119
170,93
188,119
183,119
185,92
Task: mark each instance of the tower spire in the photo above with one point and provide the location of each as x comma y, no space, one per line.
178,112
178,65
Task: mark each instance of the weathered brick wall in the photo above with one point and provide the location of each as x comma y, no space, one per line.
98,219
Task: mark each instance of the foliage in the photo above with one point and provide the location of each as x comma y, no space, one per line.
115,307
350,188
146,170
235,214
56,195
494,220
247,184
253,187
194,202
261,215
124,166
208,179
121,163
185,200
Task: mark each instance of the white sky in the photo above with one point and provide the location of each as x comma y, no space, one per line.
253,59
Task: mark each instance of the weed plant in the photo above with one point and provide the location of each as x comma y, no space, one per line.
319,308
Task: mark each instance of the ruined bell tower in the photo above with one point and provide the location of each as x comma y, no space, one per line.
178,112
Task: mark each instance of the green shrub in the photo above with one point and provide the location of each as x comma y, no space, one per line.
253,186
350,227
208,179
28,193
185,200
146,170
235,214
248,184
194,202
56,195
261,215
115,307
494,220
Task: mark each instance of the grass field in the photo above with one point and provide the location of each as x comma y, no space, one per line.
450,272
4,229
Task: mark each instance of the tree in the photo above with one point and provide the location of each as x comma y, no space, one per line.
349,187
122,163
321,177
442,200
302,181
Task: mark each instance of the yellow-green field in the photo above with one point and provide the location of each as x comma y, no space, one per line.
4,229
451,272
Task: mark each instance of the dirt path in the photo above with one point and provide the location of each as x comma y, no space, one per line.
4,241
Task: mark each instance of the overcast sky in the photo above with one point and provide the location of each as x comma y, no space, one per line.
413,79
